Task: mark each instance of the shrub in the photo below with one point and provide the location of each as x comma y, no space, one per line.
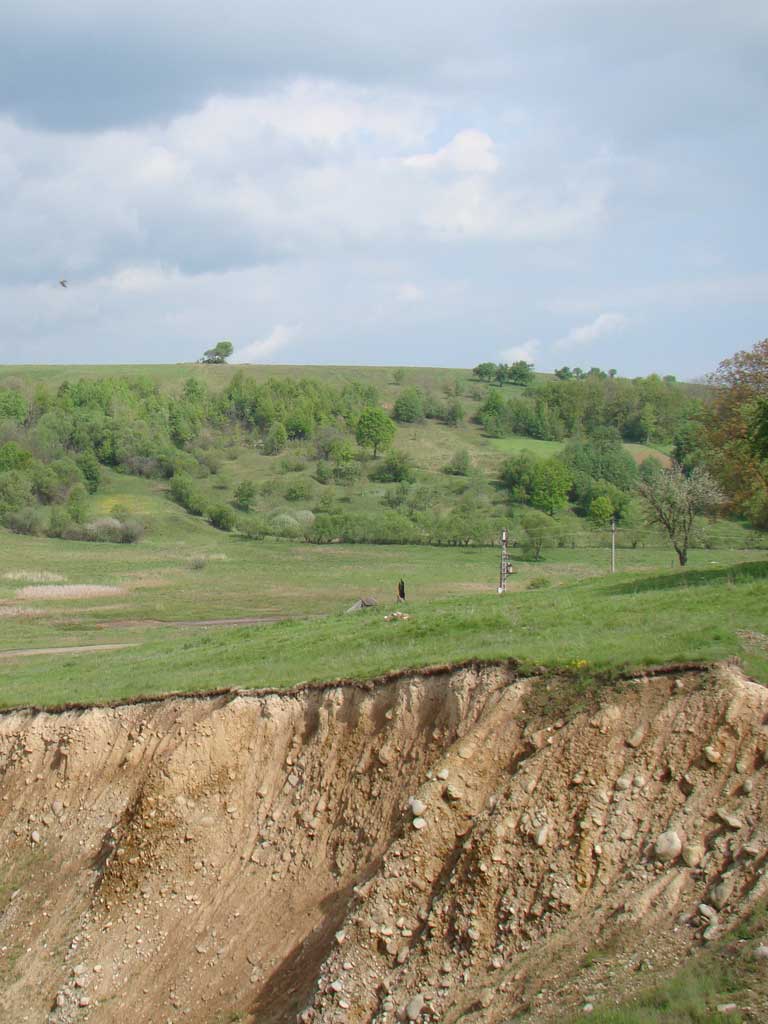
244,495
299,490
409,406
284,525
396,466
30,520
323,473
276,439
222,517
253,527
460,464
183,493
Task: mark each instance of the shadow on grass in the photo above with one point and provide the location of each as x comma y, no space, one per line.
746,572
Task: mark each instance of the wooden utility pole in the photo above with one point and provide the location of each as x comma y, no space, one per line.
613,544
505,568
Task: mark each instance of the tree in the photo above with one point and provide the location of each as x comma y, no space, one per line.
758,432
501,374
601,510
741,384
375,430
409,406
485,371
398,376
520,373
551,483
539,531
564,373
673,500
220,353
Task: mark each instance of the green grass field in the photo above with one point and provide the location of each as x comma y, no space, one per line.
632,618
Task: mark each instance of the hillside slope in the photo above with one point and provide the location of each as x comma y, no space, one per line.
433,845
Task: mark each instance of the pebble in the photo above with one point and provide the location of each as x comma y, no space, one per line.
729,819
443,774
587,1008
712,755
35,837
414,1007
637,736
417,806
419,823
727,1008
668,846
761,953
541,835
721,893
692,854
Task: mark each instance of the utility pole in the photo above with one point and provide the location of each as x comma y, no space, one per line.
613,544
505,568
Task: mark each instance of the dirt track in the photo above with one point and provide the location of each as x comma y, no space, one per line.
28,652
346,853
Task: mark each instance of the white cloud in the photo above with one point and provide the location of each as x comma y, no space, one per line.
605,323
526,351
410,293
259,350
468,152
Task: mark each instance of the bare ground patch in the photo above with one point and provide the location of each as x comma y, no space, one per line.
23,576
68,591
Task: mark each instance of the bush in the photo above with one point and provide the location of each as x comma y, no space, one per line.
276,439
409,406
284,525
253,527
222,517
30,520
323,473
244,495
396,466
460,464
299,490
183,493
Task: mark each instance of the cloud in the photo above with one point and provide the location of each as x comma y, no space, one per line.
468,152
409,293
605,323
259,351
527,351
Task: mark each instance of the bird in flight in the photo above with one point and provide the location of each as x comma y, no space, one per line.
63,283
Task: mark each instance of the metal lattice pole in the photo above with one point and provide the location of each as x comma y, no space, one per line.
504,569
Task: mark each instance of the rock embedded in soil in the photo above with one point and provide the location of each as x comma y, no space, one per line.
668,846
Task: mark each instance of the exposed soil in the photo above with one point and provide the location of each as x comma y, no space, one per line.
431,847
28,652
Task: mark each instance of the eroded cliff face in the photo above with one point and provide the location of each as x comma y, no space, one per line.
422,847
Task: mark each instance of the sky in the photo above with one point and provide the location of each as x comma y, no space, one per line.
570,182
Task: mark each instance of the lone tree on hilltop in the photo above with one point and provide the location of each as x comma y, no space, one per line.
673,500
220,353
375,430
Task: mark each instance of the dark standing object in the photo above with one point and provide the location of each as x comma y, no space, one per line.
401,590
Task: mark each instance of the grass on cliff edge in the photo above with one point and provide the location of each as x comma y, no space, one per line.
626,620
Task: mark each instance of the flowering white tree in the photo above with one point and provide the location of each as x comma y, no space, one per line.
673,500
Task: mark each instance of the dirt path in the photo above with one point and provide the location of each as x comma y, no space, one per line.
248,620
28,652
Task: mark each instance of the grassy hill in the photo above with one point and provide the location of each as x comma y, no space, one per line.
169,593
